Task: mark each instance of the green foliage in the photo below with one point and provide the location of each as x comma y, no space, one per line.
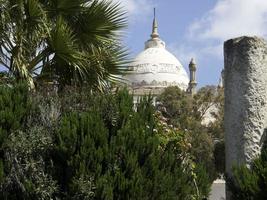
186,113
14,108
83,146
118,150
179,107
26,164
5,78
250,183
74,41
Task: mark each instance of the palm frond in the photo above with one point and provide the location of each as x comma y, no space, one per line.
68,60
99,23
76,40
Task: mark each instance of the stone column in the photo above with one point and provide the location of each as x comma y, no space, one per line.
245,115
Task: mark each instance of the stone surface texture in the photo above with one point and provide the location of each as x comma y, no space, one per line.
245,117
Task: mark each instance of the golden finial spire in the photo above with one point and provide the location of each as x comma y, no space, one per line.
155,27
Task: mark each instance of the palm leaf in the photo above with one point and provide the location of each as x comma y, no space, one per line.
77,40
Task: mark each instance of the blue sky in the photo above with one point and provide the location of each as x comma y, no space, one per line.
195,28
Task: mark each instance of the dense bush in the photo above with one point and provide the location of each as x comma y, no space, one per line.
82,146
250,183
14,107
187,113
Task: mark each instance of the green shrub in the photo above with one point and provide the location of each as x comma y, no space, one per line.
83,146
118,149
250,183
14,109
186,114
27,163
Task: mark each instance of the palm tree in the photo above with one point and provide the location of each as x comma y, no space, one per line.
74,40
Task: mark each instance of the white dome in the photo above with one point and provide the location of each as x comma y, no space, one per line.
156,68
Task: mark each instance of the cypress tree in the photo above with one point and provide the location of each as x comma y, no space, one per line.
117,153
14,109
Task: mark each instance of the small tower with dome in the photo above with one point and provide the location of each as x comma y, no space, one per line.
155,68
192,83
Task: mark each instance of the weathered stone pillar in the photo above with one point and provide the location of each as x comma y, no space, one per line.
245,115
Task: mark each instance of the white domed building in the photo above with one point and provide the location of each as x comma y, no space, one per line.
155,68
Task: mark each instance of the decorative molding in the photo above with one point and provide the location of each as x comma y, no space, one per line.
156,68
155,83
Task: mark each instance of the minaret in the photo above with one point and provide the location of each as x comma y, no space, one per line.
192,83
